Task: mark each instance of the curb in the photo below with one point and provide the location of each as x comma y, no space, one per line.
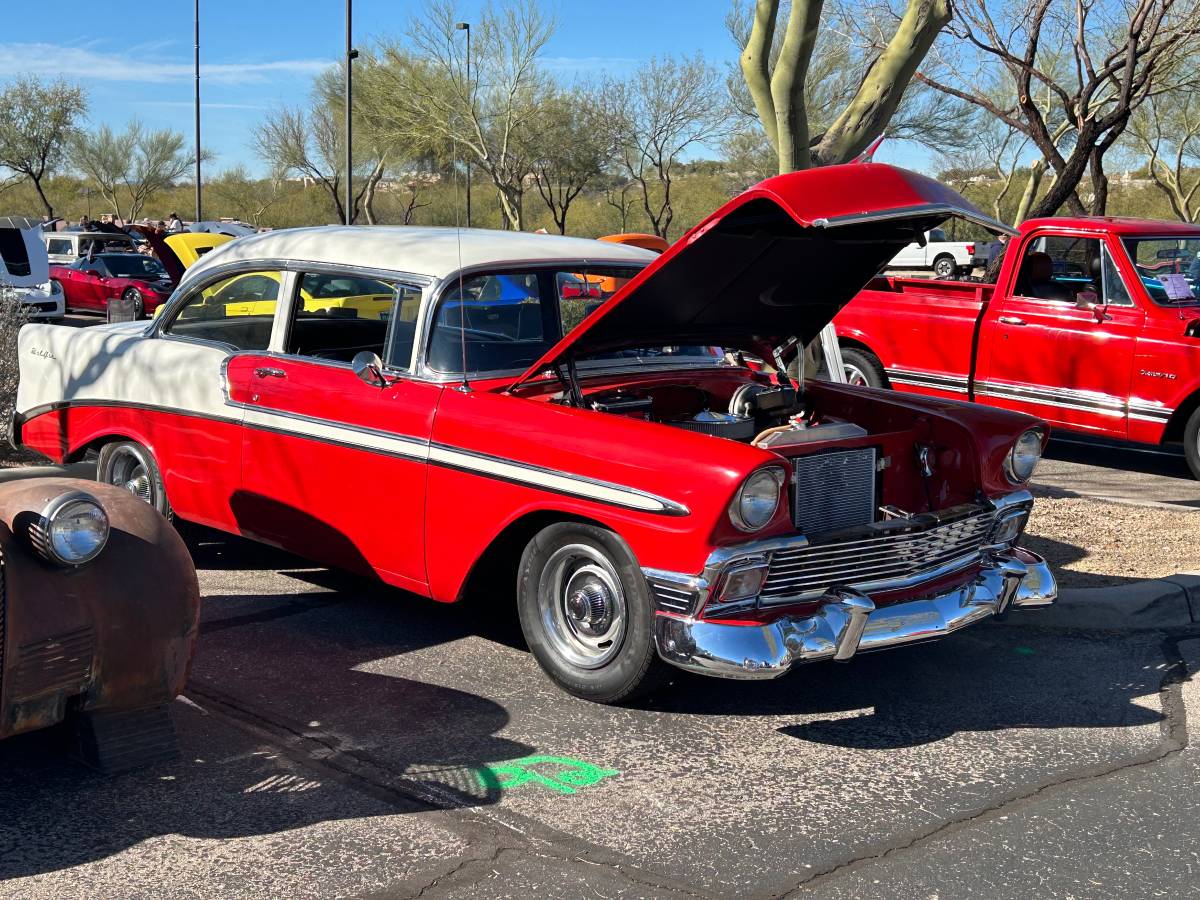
1144,605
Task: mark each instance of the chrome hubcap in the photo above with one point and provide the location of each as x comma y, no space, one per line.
131,473
582,606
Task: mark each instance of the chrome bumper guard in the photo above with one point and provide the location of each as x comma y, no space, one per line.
848,623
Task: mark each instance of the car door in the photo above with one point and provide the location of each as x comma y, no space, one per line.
334,468
93,284
1061,344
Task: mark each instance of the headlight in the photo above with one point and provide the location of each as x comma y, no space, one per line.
72,529
1023,457
757,499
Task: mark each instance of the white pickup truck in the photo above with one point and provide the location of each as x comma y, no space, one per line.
946,258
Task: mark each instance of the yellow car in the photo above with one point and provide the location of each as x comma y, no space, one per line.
189,246
256,293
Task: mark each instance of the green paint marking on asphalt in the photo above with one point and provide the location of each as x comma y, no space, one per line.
556,773
1023,651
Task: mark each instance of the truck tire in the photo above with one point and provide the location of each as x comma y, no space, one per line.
945,267
1191,442
586,613
863,369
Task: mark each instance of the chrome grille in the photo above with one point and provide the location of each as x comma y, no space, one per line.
884,560
673,598
833,490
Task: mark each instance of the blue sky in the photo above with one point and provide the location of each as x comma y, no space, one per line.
136,59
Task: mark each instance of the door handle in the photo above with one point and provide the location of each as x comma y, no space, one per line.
268,372
1011,320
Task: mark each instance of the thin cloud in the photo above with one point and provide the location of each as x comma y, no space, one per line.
587,65
188,104
85,62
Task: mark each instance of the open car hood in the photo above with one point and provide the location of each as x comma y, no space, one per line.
774,264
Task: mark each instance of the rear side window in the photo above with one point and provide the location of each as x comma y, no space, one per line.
60,247
339,316
238,311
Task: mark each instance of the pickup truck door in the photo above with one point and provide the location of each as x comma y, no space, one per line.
912,256
1053,353
334,468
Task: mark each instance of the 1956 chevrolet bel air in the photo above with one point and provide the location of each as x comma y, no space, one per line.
574,421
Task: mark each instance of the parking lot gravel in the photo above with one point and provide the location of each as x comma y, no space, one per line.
1090,543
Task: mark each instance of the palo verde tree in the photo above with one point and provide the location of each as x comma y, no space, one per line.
1077,74
1167,130
131,167
37,123
777,58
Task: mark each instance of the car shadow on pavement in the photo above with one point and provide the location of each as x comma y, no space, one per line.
1165,462
1060,554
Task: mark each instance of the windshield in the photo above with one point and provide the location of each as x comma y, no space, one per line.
134,266
1169,267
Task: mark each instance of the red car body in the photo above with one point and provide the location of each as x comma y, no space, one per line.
1116,360
437,482
91,282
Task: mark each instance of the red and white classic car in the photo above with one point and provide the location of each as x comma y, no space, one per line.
509,425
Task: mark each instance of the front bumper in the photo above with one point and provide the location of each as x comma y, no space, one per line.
848,622
41,304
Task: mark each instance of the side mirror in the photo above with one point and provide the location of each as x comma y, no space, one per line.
369,368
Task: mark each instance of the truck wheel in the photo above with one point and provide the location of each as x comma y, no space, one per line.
1191,442
586,613
945,267
129,465
863,369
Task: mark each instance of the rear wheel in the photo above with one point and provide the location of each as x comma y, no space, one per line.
1191,442
945,267
586,613
862,368
129,465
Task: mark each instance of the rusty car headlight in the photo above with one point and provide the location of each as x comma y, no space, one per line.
1023,458
757,499
71,530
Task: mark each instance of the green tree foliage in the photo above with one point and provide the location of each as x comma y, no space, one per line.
38,120
130,167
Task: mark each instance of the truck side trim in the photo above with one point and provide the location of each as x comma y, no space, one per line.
1104,404
933,380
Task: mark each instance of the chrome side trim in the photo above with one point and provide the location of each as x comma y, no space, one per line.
849,623
1087,401
933,380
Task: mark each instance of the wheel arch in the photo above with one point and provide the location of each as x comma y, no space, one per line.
851,342
501,558
1173,433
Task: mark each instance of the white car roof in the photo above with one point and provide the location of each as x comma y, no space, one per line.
434,252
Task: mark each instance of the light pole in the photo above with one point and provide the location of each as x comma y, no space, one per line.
466,26
351,55
197,60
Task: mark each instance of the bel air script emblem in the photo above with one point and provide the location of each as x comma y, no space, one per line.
38,351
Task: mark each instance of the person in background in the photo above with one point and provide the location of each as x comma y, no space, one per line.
995,258
175,224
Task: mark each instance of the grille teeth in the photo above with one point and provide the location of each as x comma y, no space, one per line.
878,561
833,490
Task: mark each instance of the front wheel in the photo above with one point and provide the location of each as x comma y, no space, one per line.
135,297
586,613
945,267
129,465
1191,443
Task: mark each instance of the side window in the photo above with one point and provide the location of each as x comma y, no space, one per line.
339,316
496,321
238,311
60,246
97,268
1059,267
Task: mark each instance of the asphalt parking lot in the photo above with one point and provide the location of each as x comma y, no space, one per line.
341,738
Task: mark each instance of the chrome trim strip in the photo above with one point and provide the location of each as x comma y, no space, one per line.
926,209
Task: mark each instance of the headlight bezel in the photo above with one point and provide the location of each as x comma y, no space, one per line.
1011,470
737,513
43,533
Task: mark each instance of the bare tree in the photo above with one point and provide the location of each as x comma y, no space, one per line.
37,123
667,108
422,97
131,167
1077,73
1167,129
618,193
790,94
572,151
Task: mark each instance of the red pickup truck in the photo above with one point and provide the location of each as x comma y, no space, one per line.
1092,324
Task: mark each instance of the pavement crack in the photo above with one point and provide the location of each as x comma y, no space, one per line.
1173,729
